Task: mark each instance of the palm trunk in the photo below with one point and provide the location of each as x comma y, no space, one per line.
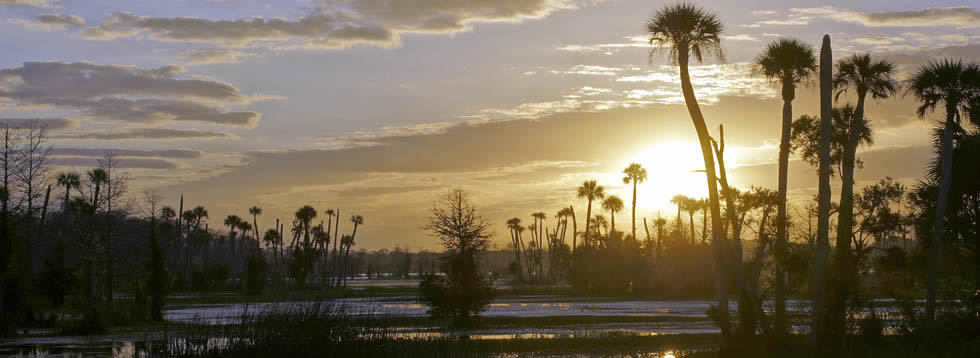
788,93
336,263
818,333
634,209
588,220
946,170
718,243
612,218
694,239
574,234
837,305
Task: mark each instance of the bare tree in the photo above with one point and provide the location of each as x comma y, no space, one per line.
32,169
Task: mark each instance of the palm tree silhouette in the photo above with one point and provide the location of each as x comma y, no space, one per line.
956,86
255,211
357,220
69,180
865,76
514,224
787,62
635,174
684,30
614,204
232,222
97,177
680,201
590,190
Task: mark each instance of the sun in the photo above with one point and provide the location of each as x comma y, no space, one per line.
672,168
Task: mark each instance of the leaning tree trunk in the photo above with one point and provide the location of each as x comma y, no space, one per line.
823,196
718,243
574,234
945,177
842,275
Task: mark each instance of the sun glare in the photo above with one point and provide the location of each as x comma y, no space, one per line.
673,168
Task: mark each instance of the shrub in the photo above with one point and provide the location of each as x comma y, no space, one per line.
255,280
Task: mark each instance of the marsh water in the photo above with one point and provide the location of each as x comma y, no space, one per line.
665,317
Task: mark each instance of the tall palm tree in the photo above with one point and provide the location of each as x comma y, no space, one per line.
955,86
69,180
255,211
691,206
680,201
357,220
232,222
787,62
614,204
513,225
97,177
858,72
326,248
590,190
539,229
635,174
684,30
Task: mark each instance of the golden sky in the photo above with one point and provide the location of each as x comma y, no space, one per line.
376,107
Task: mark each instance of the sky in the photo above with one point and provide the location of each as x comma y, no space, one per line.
377,107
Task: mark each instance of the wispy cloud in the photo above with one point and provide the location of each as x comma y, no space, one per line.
212,56
126,93
146,134
50,22
334,23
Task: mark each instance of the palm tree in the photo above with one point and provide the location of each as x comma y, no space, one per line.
272,239
326,247
614,204
539,235
703,206
691,206
357,220
590,190
255,211
683,30
232,222
69,180
513,225
787,62
680,201
97,177
865,76
956,86
635,174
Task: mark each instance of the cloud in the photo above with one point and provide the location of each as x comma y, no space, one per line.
963,17
49,123
100,152
212,56
34,3
126,93
147,133
334,23
740,37
125,163
50,22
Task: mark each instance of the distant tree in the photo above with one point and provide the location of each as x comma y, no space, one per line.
590,190
614,204
465,291
635,174
255,211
